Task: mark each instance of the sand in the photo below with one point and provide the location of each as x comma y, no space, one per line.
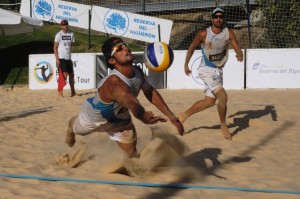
262,160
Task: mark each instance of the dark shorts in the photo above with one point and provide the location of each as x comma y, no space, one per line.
66,65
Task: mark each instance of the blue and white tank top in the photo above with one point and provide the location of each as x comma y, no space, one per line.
98,111
215,48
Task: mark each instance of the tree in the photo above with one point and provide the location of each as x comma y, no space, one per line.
280,21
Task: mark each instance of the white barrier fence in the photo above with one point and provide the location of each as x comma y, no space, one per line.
263,69
43,73
273,68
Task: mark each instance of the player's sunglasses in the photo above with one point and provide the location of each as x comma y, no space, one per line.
218,16
118,48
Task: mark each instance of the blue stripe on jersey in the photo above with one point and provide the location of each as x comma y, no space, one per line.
206,60
106,110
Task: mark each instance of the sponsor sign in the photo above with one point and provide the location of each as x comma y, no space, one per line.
55,11
130,25
43,73
273,68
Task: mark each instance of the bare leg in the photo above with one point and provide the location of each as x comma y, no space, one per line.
197,107
60,93
129,149
222,110
71,82
70,136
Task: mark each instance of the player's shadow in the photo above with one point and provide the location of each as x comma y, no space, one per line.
241,123
205,162
21,114
199,160
86,93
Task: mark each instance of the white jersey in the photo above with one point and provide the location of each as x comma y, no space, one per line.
65,41
95,112
215,48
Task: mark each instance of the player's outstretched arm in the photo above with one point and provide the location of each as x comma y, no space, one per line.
155,98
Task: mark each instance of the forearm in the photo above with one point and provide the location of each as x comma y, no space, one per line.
138,112
189,54
159,102
55,50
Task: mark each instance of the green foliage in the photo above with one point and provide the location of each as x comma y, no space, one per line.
281,23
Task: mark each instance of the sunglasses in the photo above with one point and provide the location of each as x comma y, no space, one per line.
218,16
65,24
118,48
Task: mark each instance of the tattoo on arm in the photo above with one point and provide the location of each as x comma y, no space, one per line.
140,113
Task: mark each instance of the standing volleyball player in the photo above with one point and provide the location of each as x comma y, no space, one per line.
108,110
214,43
62,51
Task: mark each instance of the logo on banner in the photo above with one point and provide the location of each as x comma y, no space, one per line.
44,9
116,22
255,66
194,69
43,72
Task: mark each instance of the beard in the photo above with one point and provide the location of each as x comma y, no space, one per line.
127,61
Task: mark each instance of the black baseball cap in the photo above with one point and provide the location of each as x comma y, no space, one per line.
107,48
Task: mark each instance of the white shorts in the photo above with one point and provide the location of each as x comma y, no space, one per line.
124,133
212,77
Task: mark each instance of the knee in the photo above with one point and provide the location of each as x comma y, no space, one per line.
71,75
210,102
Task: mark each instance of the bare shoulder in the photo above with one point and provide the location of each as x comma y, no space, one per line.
201,35
114,82
111,88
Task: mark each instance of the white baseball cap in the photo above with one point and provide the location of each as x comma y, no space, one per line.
217,10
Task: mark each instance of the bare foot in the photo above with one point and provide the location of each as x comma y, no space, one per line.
60,94
182,117
73,94
70,136
225,131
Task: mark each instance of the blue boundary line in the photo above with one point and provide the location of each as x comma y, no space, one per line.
176,186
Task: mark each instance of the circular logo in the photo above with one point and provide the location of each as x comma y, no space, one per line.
43,9
116,22
194,69
43,72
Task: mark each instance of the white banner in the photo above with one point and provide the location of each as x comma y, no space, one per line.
43,73
55,11
134,26
177,79
273,68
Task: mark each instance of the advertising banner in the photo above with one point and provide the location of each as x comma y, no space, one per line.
56,10
273,68
134,26
43,73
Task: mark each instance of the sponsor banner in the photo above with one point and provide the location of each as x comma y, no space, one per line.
273,68
43,73
233,72
55,11
157,80
134,26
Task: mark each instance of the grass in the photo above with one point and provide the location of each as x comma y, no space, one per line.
15,49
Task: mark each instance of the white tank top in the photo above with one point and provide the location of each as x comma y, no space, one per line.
94,111
65,42
215,48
